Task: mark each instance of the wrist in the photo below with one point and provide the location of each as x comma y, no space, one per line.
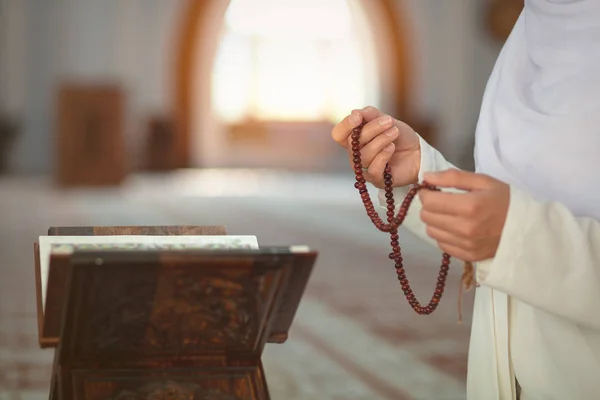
417,164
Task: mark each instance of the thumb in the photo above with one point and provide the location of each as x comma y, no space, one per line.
369,113
455,178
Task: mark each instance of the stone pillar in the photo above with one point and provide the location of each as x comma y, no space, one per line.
13,56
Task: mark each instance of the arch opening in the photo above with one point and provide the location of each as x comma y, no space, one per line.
226,122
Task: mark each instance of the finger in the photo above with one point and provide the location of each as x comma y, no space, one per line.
370,151
375,128
341,132
369,113
448,237
457,226
456,204
457,252
377,166
454,178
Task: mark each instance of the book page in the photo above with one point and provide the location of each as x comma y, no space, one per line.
68,244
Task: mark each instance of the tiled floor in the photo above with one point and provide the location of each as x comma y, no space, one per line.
354,337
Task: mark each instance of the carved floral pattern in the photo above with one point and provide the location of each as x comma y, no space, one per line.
121,304
173,391
172,310
206,313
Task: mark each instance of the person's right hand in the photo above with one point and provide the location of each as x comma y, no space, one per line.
384,140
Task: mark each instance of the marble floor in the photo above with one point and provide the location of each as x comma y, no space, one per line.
354,338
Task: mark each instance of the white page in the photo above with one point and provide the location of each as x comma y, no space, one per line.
50,244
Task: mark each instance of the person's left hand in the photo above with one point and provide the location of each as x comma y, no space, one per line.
469,225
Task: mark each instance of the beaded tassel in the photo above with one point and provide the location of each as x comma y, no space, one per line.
467,282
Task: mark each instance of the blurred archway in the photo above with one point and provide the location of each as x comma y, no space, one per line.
198,48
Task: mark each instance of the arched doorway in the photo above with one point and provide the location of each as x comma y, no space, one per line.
202,18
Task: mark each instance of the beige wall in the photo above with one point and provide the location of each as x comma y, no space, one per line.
45,42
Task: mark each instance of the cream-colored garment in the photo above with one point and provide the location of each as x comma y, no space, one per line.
537,312
537,307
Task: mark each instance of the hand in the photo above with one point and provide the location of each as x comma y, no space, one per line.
383,140
469,225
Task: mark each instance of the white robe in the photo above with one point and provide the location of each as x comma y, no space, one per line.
537,312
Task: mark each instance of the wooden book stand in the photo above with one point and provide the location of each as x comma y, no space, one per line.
158,324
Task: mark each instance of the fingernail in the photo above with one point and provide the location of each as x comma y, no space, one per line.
392,132
354,119
389,148
367,108
385,120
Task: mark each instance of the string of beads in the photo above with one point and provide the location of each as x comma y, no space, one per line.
393,223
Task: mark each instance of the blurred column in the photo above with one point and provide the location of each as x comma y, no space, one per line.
90,39
132,66
13,60
3,55
33,73
456,76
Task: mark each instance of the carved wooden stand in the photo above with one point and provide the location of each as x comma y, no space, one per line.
169,325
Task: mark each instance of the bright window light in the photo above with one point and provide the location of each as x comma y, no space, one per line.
290,60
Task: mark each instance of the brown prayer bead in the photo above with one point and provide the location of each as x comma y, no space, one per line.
394,222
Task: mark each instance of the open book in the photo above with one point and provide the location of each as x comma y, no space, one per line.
54,256
50,306
67,244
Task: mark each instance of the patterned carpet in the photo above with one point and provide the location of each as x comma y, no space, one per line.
354,336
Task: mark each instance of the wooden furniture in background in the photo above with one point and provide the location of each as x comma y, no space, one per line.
161,153
90,143
502,16
169,324
8,134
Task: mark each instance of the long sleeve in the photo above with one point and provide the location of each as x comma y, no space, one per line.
549,259
431,161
